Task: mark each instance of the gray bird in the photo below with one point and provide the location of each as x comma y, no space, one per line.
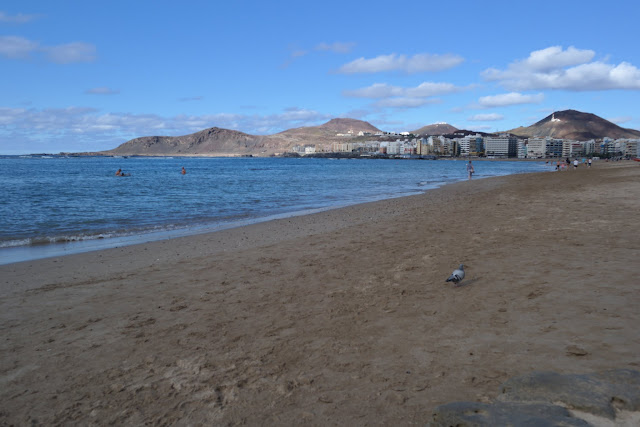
457,275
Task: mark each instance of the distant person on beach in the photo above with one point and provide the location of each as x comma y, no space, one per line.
119,172
589,163
470,169
184,171
575,164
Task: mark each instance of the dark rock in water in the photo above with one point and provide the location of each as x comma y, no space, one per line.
504,414
599,394
546,398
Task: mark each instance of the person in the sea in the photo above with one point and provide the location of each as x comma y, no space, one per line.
119,172
184,171
470,169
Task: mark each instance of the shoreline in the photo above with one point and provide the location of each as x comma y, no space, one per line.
71,244
340,316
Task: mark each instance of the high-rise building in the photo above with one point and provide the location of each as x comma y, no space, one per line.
501,146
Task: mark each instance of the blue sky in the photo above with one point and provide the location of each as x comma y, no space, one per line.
87,76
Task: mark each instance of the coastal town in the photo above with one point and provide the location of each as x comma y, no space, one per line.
464,144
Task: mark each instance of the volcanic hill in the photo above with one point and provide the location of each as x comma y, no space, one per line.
435,129
572,124
224,142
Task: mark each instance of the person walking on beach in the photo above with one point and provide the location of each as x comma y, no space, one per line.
589,162
470,169
575,164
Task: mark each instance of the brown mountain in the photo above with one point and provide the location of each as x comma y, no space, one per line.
435,129
323,134
224,142
572,124
206,142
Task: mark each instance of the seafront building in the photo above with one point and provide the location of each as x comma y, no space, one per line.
472,145
501,146
537,148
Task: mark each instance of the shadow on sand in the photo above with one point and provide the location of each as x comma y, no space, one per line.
466,283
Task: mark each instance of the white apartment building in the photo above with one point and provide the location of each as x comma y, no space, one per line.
395,147
589,147
631,147
501,146
537,148
471,145
572,149
521,148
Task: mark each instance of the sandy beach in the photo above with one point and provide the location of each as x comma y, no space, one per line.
337,318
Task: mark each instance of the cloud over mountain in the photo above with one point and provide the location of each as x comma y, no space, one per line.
570,69
383,90
492,117
512,98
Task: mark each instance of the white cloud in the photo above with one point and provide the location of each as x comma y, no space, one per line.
432,89
336,47
486,117
410,64
481,128
620,120
383,90
554,57
102,91
15,47
404,102
376,90
71,52
554,68
512,98
16,19
86,129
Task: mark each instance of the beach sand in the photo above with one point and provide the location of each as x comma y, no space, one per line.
341,317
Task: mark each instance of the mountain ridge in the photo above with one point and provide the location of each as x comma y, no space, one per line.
215,141
576,125
436,129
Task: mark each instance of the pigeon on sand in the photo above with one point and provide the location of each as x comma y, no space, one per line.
457,275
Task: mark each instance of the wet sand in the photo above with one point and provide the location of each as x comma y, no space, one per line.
341,317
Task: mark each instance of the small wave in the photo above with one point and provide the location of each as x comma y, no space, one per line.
15,243
47,240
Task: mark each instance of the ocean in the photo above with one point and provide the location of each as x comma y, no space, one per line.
54,205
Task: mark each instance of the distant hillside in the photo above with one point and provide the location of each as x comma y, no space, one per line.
435,129
224,142
205,142
346,125
571,124
215,141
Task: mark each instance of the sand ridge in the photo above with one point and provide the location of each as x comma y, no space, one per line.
340,317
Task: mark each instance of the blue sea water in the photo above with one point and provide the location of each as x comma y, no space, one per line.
52,205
